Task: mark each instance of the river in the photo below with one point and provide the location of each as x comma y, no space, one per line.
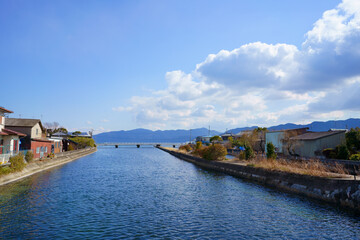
145,193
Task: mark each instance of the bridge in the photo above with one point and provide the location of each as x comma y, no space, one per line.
138,144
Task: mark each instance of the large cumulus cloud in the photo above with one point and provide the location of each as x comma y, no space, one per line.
261,83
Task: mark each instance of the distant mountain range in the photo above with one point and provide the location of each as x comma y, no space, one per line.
314,126
145,135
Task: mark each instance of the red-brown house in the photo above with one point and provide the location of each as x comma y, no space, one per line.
36,135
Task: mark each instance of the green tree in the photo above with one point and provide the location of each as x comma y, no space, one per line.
249,153
215,138
83,142
76,133
198,145
343,152
270,151
353,139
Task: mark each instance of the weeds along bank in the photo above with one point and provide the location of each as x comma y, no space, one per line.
19,168
336,188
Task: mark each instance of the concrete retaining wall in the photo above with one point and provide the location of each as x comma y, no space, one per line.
342,192
41,165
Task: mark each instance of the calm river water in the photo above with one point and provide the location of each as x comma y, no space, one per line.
130,193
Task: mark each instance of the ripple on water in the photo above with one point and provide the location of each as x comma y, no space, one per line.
130,193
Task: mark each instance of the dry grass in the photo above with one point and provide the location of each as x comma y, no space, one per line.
311,167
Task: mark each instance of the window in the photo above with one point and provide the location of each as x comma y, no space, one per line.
37,132
37,150
46,149
15,145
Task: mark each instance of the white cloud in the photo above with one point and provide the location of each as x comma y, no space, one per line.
265,84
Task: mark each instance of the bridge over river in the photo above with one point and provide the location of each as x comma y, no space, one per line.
138,144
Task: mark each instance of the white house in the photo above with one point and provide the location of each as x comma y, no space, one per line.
9,139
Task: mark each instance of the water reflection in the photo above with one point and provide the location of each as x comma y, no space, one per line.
146,193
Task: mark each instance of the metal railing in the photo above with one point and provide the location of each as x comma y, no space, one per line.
6,153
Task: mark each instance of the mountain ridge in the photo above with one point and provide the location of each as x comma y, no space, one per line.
181,135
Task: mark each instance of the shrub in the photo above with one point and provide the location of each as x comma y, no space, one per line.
51,155
29,156
214,152
198,145
186,147
249,153
17,162
342,152
5,170
355,157
329,153
83,142
242,155
270,151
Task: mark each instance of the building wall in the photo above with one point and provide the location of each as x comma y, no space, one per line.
276,139
7,149
2,122
36,131
313,148
38,144
57,145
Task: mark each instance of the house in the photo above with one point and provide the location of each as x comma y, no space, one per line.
203,139
225,136
279,137
311,144
9,139
57,146
35,135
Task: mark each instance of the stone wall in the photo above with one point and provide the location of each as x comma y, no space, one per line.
42,165
343,192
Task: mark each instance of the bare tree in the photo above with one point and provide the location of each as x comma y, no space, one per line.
289,143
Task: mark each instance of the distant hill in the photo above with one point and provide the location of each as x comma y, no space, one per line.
145,135
314,126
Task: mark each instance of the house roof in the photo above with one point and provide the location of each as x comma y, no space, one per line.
22,122
315,135
41,140
5,110
6,132
59,134
287,130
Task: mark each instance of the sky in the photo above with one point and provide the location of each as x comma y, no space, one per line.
180,64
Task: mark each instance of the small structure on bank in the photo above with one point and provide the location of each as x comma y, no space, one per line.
9,139
311,144
302,143
203,139
35,139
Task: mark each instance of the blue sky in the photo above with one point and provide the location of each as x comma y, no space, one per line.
113,65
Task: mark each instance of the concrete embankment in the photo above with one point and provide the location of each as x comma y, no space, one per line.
344,192
42,165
